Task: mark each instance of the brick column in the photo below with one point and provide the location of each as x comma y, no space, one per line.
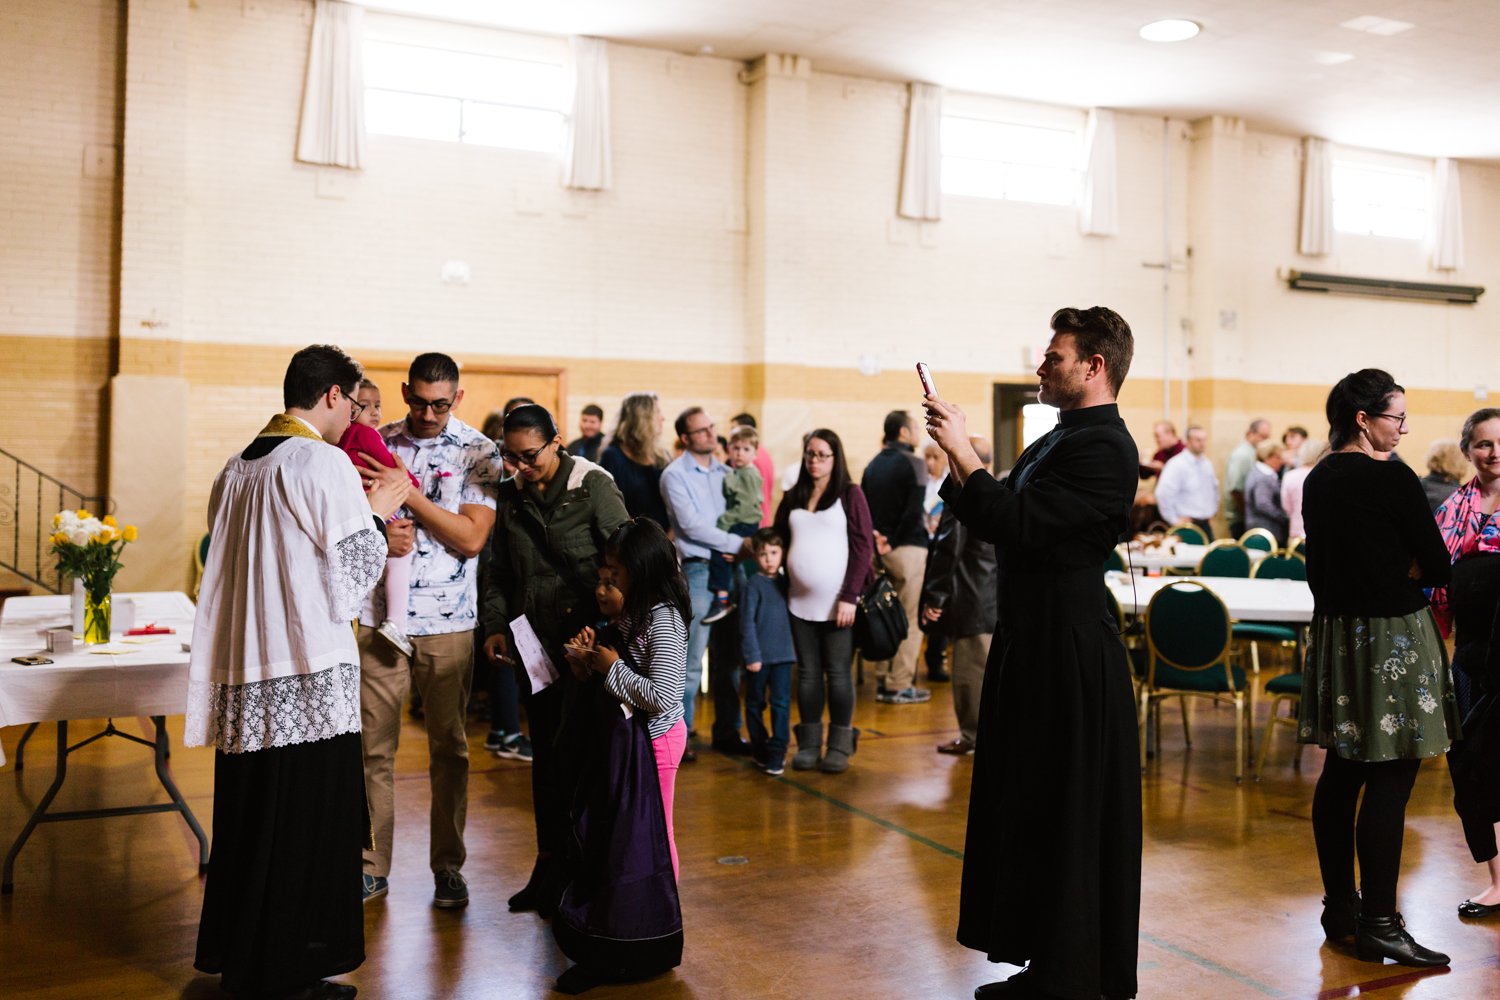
148,394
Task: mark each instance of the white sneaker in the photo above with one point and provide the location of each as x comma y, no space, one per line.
392,634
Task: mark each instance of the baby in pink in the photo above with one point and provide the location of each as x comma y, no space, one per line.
362,436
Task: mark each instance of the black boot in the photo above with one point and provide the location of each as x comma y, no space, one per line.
530,896
1379,938
1339,916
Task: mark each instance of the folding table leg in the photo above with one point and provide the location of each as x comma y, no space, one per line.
167,783
7,878
21,746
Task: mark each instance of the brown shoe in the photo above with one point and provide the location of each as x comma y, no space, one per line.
958,747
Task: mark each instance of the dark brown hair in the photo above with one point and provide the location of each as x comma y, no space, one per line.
1100,331
764,537
838,479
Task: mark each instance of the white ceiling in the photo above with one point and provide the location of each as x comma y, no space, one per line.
1432,90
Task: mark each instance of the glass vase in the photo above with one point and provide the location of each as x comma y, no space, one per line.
95,620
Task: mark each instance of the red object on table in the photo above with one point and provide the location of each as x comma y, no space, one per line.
152,629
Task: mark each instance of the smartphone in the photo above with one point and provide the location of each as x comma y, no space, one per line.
925,374
30,661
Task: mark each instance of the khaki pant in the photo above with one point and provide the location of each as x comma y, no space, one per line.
443,668
970,653
905,565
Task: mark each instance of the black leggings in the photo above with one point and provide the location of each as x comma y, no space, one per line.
1378,832
824,648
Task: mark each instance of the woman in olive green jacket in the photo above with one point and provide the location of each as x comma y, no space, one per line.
552,521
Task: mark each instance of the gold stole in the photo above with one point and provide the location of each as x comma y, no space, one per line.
282,426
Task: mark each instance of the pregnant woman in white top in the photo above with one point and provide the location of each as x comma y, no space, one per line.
830,542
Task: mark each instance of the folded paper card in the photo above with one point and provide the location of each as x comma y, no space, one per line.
538,664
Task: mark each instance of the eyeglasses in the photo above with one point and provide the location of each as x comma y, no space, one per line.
525,458
818,456
702,430
355,407
1400,418
437,406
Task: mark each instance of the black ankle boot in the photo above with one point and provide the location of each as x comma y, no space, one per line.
1339,916
1379,938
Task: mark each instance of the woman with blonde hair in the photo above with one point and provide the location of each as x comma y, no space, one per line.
634,456
1309,454
1446,469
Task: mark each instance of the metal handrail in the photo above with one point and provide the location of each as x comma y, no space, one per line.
25,508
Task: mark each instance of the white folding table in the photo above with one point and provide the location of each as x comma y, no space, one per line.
126,678
1246,599
1184,556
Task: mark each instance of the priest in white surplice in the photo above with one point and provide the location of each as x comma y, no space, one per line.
296,544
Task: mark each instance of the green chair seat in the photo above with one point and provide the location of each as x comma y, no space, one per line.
1265,631
1208,681
1285,684
1225,560
203,549
1114,562
1190,533
1259,542
1281,568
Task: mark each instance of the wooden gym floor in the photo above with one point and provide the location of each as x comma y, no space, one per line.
849,886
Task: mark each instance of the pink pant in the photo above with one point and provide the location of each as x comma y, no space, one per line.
669,747
397,586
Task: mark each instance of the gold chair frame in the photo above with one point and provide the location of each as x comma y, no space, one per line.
1261,533
1151,696
1276,720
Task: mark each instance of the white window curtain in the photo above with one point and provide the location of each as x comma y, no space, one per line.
1317,197
586,153
333,101
1099,202
1447,217
922,161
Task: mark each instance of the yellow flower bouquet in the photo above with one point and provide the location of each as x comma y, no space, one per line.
89,548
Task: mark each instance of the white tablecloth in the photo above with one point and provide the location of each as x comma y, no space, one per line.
1183,557
1247,600
151,679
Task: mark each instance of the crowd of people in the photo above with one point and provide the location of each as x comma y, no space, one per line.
587,584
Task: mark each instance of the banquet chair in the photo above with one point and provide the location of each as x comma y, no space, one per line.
1224,558
1188,639
1259,539
1116,560
1295,546
1190,533
200,556
1285,688
1272,567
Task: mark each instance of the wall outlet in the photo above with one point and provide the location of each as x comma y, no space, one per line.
455,272
100,161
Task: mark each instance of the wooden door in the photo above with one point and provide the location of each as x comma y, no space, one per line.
486,389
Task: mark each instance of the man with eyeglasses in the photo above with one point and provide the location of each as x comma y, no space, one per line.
693,488
459,471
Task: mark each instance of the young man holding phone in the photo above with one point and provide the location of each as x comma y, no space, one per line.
1052,867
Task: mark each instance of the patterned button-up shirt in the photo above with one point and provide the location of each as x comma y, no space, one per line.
459,466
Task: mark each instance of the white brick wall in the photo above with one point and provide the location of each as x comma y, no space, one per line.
58,95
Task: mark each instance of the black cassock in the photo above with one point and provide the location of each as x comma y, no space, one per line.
1052,860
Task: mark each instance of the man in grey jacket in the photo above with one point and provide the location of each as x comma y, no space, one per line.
959,597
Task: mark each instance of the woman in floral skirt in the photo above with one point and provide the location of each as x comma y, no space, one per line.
1379,691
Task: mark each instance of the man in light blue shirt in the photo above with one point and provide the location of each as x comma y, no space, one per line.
693,488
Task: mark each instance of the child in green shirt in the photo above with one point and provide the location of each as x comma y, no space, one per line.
743,497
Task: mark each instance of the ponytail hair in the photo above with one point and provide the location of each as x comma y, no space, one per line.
1366,391
530,417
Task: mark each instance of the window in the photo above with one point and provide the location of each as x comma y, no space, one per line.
430,93
986,159
1036,420
1379,201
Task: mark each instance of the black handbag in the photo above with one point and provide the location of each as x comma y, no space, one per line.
880,623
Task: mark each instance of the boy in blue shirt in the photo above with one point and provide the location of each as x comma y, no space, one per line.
766,640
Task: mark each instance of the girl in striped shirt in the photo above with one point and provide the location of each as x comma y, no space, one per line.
650,673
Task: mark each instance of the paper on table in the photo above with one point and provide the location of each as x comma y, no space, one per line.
538,664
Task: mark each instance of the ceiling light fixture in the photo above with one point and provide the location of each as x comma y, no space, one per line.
1377,25
1170,31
